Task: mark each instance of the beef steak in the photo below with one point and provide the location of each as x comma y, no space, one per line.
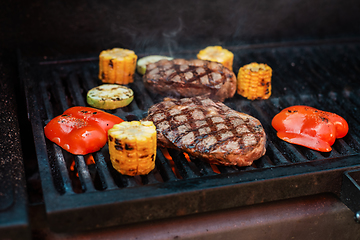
189,78
208,130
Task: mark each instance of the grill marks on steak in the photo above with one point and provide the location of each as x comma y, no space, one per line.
189,78
208,130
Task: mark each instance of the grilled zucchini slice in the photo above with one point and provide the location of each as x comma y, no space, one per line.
142,62
109,96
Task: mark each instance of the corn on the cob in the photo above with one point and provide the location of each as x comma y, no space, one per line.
132,147
254,81
117,66
217,54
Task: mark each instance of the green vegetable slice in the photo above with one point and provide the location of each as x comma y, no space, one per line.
109,96
142,62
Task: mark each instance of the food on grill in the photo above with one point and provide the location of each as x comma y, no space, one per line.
309,127
81,130
189,78
208,130
254,81
217,54
142,62
109,96
117,65
132,147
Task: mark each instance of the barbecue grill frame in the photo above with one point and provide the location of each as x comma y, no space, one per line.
72,211
350,192
14,219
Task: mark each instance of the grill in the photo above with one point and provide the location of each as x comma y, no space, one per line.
318,74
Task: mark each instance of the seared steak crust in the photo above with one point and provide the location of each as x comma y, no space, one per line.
189,78
208,130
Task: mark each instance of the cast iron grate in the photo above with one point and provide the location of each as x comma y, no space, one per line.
85,192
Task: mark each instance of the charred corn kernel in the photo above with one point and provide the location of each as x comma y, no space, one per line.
254,81
132,147
217,54
117,65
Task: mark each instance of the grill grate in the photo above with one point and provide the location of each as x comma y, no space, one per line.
322,76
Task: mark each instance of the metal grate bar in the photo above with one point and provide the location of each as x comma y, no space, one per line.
204,168
88,80
182,164
75,89
141,94
276,156
135,110
149,179
44,96
84,175
59,92
106,179
164,167
129,181
61,164
224,169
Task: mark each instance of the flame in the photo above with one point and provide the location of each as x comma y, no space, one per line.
166,154
215,168
89,159
187,157
171,162
72,167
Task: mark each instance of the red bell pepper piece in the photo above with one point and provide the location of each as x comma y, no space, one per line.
309,127
81,130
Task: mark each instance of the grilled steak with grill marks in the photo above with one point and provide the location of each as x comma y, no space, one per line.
189,78
208,130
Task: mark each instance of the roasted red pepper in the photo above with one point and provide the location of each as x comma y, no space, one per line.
81,130
309,127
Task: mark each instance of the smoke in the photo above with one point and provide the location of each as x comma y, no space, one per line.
170,37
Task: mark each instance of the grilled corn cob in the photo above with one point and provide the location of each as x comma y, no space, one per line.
132,147
217,54
254,81
117,66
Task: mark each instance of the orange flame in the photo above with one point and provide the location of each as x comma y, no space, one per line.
89,159
187,157
171,162
215,168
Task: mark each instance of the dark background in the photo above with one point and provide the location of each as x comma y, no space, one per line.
56,28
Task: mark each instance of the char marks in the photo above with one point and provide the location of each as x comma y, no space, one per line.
189,78
201,127
185,73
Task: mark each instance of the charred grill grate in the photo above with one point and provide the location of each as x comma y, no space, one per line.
83,195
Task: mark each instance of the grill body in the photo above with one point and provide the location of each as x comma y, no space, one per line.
286,170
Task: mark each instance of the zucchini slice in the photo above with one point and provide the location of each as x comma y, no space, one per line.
142,62
109,96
